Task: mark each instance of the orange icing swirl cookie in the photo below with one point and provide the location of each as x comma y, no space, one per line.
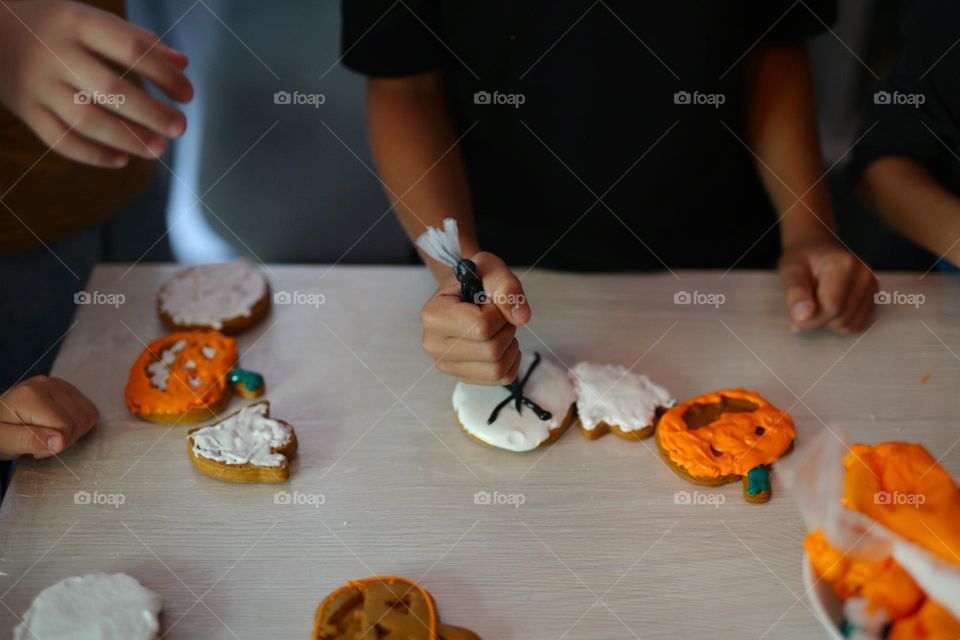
181,377
722,436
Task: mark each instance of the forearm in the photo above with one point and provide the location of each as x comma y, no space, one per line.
415,147
908,197
782,132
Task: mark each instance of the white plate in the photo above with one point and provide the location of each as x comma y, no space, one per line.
825,604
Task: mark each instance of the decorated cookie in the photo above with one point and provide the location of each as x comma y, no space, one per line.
228,297
532,413
611,398
724,436
248,446
96,606
187,377
383,607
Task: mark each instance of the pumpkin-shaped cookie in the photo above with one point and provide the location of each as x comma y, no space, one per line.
388,608
187,377
724,436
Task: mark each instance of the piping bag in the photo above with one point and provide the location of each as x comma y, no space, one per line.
444,247
815,473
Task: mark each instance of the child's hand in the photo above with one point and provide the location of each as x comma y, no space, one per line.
65,68
827,286
472,342
43,416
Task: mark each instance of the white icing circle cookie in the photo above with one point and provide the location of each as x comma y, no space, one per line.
226,296
612,395
97,606
548,386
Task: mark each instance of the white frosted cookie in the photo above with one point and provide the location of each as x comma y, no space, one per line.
548,386
248,446
611,398
97,606
226,296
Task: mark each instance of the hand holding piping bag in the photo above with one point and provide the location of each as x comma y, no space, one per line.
470,322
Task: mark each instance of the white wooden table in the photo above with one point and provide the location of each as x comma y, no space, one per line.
597,550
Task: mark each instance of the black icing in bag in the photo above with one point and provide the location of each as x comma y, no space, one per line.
444,247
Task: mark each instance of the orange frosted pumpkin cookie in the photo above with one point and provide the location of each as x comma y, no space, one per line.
724,436
187,377
383,607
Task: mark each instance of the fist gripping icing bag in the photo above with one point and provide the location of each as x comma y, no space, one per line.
532,411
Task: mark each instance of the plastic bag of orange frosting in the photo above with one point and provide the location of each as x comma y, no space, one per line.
885,531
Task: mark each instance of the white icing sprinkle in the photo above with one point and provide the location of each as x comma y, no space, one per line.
194,381
549,387
613,395
92,607
208,295
245,437
190,364
159,370
208,352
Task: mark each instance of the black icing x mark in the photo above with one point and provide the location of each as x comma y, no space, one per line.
516,394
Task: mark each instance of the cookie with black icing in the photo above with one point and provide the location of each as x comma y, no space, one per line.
533,412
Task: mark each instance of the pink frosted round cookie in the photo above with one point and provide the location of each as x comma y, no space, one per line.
228,297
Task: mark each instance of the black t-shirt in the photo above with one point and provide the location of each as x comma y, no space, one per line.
915,112
637,102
